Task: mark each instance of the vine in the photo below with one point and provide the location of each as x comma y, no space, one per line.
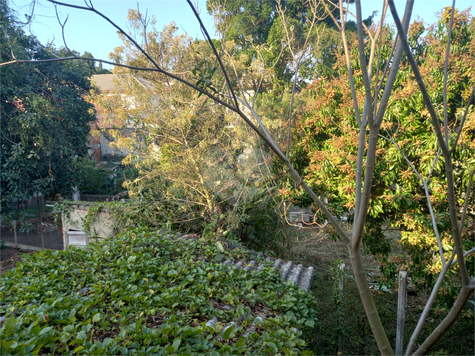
122,214
92,211
62,211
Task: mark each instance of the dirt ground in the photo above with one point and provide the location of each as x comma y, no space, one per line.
46,236
315,247
9,258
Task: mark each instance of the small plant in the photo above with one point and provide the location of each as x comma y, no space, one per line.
61,211
338,276
26,226
2,245
90,216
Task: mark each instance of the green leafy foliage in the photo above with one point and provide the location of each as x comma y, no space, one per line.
144,293
251,25
198,165
326,151
45,118
204,72
96,180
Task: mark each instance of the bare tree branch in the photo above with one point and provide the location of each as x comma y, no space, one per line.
363,64
462,122
462,298
445,149
465,254
218,57
467,198
428,306
426,190
446,73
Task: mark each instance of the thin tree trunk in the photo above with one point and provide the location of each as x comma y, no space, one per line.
368,303
453,218
401,313
15,232
362,209
427,308
341,307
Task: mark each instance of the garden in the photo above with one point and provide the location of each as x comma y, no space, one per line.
309,141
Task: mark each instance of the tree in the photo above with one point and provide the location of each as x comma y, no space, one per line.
197,163
270,23
45,119
369,121
328,146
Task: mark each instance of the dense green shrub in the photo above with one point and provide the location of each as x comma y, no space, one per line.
96,180
144,293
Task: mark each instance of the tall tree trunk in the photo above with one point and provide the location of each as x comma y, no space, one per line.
43,206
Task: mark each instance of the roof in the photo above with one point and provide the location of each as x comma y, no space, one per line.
289,272
108,82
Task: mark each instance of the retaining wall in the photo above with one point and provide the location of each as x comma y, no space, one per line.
74,231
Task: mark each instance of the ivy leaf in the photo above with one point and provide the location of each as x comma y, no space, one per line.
240,343
77,349
96,318
176,343
170,349
219,246
10,323
45,330
81,335
65,337
228,332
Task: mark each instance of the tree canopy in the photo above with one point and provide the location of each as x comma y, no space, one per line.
327,146
45,118
277,25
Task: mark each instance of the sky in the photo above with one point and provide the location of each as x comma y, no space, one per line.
86,31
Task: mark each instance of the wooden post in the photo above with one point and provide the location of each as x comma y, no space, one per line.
14,233
401,312
43,206
38,205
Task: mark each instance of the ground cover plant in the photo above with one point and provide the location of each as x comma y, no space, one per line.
146,293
